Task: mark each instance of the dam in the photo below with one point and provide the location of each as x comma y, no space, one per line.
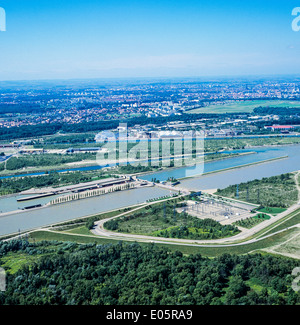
94,192
99,186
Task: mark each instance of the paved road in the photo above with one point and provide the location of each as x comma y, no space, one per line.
224,242
231,241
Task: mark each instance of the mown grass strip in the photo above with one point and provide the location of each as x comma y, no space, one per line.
288,221
185,249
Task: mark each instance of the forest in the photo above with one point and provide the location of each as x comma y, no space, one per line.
56,273
277,110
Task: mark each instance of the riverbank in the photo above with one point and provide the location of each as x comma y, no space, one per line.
37,171
163,169
12,220
114,172
77,209
69,222
236,167
93,165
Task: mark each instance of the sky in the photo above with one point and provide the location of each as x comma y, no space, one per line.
66,39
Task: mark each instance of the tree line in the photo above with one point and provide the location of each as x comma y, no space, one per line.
27,131
131,274
19,184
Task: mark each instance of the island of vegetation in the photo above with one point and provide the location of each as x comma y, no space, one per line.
163,220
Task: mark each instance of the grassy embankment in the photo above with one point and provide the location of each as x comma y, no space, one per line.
19,184
81,234
56,161
185,249
252,221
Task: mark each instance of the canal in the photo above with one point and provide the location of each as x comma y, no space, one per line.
193,180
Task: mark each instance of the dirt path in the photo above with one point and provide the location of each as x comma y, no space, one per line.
276,249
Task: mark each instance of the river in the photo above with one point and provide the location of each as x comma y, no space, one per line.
219,179
44,216
196,179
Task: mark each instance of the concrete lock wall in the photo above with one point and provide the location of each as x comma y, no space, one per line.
91,193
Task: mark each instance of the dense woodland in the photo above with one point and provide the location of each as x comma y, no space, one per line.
70,274
285,111
199,229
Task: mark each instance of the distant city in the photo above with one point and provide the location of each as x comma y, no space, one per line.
74,105
149,156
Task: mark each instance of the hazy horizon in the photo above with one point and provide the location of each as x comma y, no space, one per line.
76,39
216,78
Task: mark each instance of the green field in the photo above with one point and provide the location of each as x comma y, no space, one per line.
245,107
81,234
252,221
185,249
290,220
273,211
13,262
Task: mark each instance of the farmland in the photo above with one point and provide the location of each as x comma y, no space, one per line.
243,106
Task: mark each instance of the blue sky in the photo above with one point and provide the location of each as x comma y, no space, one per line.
110,38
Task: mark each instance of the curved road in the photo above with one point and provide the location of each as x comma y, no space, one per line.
237,240
99,230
